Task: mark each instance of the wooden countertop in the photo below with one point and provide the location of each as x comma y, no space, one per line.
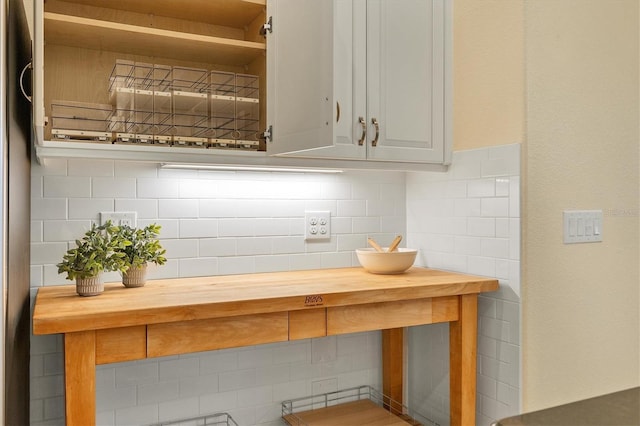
58,309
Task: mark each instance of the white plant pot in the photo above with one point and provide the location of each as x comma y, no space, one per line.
91,286
135,277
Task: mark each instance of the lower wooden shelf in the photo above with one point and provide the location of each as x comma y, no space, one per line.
361,405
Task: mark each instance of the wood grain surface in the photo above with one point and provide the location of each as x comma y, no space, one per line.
58,309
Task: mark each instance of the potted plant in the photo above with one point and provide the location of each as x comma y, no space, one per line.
99,250
140,247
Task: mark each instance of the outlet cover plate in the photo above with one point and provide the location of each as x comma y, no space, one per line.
119,218
317,225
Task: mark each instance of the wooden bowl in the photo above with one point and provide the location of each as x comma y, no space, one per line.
395,262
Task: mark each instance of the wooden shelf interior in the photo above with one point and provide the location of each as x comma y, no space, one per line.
84,38
179,30
232,13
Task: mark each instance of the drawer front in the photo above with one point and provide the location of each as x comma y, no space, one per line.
121,344
403,313
216,333
307,323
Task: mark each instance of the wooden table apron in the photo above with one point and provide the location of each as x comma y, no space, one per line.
185,315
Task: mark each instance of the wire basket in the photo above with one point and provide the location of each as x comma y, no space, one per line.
318,409
217,419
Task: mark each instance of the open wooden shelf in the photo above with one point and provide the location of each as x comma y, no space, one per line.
364,412
232,13
113,36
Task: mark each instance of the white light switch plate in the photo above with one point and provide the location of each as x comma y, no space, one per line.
582,226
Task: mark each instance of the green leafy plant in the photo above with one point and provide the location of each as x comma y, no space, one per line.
99,250
141,245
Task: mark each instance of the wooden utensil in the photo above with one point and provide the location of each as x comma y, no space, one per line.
375,245
394,244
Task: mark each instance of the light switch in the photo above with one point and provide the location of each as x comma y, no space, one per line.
582,226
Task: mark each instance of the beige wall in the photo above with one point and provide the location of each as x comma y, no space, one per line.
488,73
581,325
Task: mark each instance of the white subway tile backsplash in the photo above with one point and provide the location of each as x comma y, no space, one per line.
63,186
137,373
197,188
481,227
502,227
494,207
200,267
237,379
219,208
50,167
495,247
217,247
271,263
272,227
145,209
236,265
339,191
487,244
171,369
47,253
36,231
299,262
108,187
198,228
136,170
112,398
35,277
180,249
138,415
485,266
253,246
89,208
481,188
177,209
157,392
60,230
366,225
237,227
93,168
272,374
514,200
288,244
216,223
351,208
48,208
218,402
336,260
156,188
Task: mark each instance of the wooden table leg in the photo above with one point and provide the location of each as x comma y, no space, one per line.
393,368
462,362
80,377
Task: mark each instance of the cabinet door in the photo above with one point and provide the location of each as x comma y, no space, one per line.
406,80
300,70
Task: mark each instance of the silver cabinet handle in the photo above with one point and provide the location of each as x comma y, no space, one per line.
374,121
363,137
26,67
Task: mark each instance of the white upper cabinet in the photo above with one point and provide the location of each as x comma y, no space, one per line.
317,83
389,91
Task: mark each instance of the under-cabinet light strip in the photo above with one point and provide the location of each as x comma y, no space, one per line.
223,167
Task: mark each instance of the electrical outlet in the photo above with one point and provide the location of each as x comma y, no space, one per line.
119,218
317,225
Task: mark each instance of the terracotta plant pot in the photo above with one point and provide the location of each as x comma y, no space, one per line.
135,277
91,286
